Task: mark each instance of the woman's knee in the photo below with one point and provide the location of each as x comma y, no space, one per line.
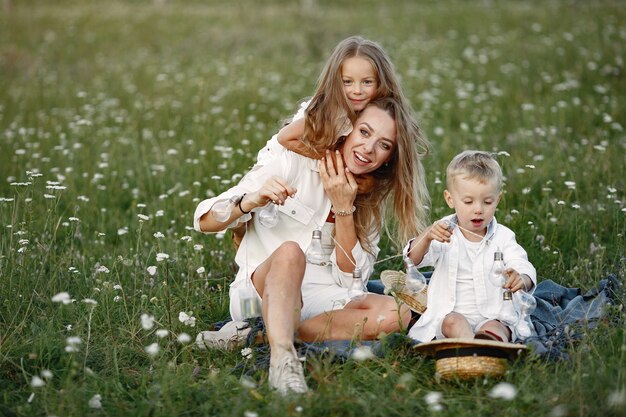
291,254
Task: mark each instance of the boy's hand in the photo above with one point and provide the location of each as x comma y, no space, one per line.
515,281
440,231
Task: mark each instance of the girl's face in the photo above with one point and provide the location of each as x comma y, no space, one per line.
474,202
359,81
371,143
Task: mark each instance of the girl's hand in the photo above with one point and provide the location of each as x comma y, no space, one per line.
339,183
515,281
440,231
275,189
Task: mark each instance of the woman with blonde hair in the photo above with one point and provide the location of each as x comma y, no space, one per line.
312,300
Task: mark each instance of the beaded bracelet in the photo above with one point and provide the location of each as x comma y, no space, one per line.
239,204
342,212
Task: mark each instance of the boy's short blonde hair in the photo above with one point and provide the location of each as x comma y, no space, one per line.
475,165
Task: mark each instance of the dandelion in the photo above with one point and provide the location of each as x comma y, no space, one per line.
246,353
184,338
187,319
152,270
152,349
62,297
433,399
101,269
72,344
95,401
161,333
37,382
503,390
147,321
162,257
362,353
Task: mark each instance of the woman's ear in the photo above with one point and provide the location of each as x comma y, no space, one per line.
448,197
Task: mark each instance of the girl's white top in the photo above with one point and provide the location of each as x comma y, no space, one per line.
442,289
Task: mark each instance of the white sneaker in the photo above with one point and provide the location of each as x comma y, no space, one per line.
231,336
287,376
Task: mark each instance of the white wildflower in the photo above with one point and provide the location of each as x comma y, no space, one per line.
187,319
201,270
159,235
161,333
90,301
184,338
95,401
152,349
246,353
162,257
47,374
433,399
143,217
362,353
62,297
503,390
37,382
152,270
147,321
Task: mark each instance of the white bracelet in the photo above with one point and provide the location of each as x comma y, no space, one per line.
342,212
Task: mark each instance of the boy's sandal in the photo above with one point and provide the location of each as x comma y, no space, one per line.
487,335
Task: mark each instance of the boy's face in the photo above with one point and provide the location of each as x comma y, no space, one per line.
359,81
475,203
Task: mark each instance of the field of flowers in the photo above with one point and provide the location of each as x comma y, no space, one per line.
117,118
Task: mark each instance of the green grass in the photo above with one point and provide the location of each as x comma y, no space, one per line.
148,107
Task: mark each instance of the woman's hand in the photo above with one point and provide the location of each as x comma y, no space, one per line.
339,183
275,189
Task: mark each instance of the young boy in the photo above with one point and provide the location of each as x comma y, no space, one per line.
462,301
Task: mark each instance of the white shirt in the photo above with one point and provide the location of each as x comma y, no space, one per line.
300,215
445,257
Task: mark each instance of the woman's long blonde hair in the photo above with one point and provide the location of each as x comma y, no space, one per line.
403,176
322,124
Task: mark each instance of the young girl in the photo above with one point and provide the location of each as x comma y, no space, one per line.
462,302
357,72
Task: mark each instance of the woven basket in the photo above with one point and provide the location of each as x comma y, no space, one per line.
394,282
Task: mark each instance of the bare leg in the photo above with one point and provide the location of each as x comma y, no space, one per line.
278,281
456,325
494,326
362,319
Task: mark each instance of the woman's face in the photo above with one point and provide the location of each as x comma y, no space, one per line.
371,143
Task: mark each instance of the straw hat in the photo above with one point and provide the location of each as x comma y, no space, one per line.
470,358
394,283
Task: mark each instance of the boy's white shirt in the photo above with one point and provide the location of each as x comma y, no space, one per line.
442,287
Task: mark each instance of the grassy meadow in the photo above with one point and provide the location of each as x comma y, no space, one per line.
116,118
